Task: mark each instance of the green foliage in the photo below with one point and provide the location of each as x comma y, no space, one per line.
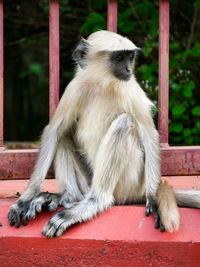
196,111
35,68
93,23
26,39
139,20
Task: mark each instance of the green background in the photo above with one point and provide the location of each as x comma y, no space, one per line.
27,59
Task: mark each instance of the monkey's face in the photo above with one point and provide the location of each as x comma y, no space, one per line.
122,64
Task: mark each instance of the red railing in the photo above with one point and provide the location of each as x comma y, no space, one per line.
1,74
18,164
54,58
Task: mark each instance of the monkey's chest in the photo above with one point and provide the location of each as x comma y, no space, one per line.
93,124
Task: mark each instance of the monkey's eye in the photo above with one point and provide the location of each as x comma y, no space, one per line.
119,58
131,56
83,53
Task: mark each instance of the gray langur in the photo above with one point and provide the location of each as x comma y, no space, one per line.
104,145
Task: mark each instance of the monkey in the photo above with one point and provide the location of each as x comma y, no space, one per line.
103,143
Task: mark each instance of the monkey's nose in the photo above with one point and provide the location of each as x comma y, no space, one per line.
128,70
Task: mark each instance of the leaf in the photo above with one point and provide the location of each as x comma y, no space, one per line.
177,139
174,46
189,140
127,27
154,26
176,87
145,8
176,127
178,110
196,111
35,68
186,132
196,3
94,22
125,22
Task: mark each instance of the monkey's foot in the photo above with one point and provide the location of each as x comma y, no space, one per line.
153,208
58,223
28,209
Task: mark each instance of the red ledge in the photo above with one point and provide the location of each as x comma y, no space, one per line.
14,188
121,236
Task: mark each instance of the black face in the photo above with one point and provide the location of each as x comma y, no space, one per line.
121,64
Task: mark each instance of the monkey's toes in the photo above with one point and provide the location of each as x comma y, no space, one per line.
153,208
14,217
57,224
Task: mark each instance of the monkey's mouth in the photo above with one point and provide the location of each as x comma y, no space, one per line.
124,77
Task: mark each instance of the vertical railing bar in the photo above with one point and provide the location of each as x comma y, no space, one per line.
53,56
1,74
112,16
163,71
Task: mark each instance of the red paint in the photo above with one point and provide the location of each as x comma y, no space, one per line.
180,160
163,71
53,56
112,16
14,188
121,236
18,163
183,182
1,73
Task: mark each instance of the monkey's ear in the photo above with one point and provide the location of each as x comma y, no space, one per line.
138,50
80,53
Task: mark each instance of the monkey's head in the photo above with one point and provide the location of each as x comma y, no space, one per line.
108,53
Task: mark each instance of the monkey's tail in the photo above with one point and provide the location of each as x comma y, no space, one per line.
189,198
167,206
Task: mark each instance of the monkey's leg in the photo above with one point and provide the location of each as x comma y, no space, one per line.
45,157
68,173
69,191
150,141
109,166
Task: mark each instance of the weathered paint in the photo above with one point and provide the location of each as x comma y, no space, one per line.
14,188
112,16
53,56
19,163
180,160
163,71
121,236
183,182
1,74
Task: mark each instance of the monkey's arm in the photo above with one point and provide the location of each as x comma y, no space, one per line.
63,118
150,142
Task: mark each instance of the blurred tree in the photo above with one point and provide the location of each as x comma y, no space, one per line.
26,58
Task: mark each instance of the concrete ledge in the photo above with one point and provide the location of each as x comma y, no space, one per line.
121,236
14,188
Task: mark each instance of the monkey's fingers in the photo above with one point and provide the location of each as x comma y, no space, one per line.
153,208
14,216
35,206
148,209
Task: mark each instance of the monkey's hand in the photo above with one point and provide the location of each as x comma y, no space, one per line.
152,207
28,209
